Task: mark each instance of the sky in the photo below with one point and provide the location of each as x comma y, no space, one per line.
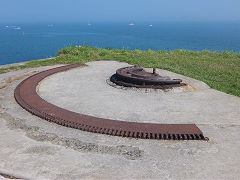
118,10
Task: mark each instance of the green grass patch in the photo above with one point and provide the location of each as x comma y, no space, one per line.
220,71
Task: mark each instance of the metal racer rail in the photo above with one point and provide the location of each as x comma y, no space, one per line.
26,95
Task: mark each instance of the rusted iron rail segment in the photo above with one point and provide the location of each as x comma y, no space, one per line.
26,95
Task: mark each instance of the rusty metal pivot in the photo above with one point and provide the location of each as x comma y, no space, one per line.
136,76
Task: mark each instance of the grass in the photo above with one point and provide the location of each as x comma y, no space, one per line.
220,71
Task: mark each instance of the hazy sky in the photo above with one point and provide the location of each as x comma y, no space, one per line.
118,10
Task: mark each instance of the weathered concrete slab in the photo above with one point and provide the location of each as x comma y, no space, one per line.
36,149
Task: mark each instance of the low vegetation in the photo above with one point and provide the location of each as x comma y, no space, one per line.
220,71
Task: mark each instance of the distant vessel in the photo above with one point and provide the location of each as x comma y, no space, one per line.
150,25
13,27
131,24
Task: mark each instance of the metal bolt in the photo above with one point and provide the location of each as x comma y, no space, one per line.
154,70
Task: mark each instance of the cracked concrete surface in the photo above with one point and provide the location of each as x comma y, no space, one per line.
32,148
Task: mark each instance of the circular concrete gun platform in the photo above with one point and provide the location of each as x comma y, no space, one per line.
26,95
50,151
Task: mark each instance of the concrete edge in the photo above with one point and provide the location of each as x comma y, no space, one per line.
22,63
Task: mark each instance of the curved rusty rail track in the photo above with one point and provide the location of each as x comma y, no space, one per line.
26,95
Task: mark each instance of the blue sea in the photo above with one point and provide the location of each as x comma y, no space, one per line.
28,41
